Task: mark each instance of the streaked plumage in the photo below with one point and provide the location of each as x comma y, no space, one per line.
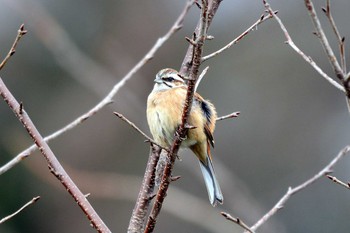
164,111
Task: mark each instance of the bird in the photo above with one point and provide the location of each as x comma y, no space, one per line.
165,104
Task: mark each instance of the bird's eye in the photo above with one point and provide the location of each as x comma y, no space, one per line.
168,79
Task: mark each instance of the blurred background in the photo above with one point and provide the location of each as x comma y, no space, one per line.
292,121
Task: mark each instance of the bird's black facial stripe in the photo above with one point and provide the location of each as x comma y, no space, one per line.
167,84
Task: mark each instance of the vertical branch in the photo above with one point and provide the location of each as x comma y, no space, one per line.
190,68
139,214
187,62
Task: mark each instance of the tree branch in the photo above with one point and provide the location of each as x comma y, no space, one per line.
109,97
231,115
308,59
337,181
238,221
35,199
324,41
139,130
291,191
54,165
139,214
190,69
262,19
21,32
341,40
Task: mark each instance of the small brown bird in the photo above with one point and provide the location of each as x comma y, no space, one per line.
164,111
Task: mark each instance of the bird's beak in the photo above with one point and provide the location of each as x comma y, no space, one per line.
157,80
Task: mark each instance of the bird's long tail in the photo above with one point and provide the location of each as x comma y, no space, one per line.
213,187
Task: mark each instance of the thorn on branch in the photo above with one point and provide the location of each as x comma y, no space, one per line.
151,196
175,178
13,51
191,41
198,5
316,34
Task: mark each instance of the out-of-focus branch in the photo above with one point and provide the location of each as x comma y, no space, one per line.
324,41
308,59
291,191
109,97
341,40
262,19
54,165
21,32
35,199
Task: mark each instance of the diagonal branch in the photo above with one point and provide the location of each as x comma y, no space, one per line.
21,32
324,41
34,200
337,181
308,59
109,97
341,40
139,130
291,191
238,221
262,19
54,165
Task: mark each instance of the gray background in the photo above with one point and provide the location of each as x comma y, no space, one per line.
292,121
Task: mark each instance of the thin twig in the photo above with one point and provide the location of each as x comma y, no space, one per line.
35,199
262,19
109,97
231,115
337,181
341,40
201,76
324,41
308,59
238,221
54,165
21,32
291,191
139,130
